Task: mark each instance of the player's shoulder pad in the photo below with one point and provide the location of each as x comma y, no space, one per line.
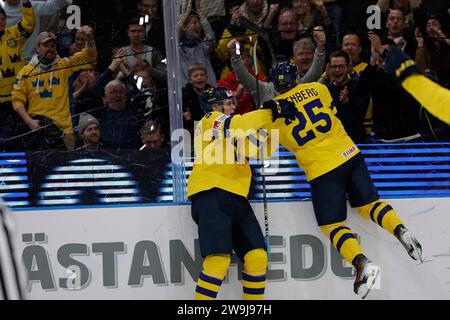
208,115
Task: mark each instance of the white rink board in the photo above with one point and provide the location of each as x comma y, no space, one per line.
155,236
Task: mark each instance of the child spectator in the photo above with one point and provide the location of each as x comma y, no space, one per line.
193,49
198,83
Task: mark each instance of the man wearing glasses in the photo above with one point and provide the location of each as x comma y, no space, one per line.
350,93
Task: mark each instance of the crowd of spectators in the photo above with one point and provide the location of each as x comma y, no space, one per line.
104,85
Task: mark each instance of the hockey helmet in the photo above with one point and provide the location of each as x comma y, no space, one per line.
215,95
284,75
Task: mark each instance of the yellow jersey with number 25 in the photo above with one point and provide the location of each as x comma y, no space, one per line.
317,137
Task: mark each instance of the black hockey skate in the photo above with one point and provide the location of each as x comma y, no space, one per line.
367,274
408,241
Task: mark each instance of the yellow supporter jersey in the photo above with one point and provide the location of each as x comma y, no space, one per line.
360,67
316,137
218,163
11,44
48,90
247,40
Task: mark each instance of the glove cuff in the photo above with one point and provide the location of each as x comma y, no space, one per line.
405,70
399,64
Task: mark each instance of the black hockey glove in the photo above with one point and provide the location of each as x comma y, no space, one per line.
399,64
281,108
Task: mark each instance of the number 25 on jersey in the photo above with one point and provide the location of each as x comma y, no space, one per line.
315,116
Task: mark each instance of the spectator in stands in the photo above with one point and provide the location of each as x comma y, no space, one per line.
397,30
80,42
350,95
245,36
12,40
417,11
244,100
334,11
255,10
193,49
310,58
351,44
152,136
154,24
268,91
198,83
138,53
311,14
44,84
433,51
286,34
119,122
13,10
146,96
89,131
89,86
438,8
84,81
395,112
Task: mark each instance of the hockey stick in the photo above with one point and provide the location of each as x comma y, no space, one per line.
266,213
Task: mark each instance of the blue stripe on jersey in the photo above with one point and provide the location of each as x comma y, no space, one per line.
226,127
211,280
332,105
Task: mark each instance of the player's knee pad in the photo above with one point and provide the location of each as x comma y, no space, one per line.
216,265
327,229
255,262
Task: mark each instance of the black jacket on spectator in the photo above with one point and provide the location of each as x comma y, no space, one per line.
191,101
352,114
156,36
119,129
395,112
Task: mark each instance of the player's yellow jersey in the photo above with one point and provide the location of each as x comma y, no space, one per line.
217,163
433,97
316,137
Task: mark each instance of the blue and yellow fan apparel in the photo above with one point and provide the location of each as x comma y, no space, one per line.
48,90
218,188
12,41
333,165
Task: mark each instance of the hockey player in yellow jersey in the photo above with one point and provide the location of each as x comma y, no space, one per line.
430,95
45,83
12,40
218,188
335,169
